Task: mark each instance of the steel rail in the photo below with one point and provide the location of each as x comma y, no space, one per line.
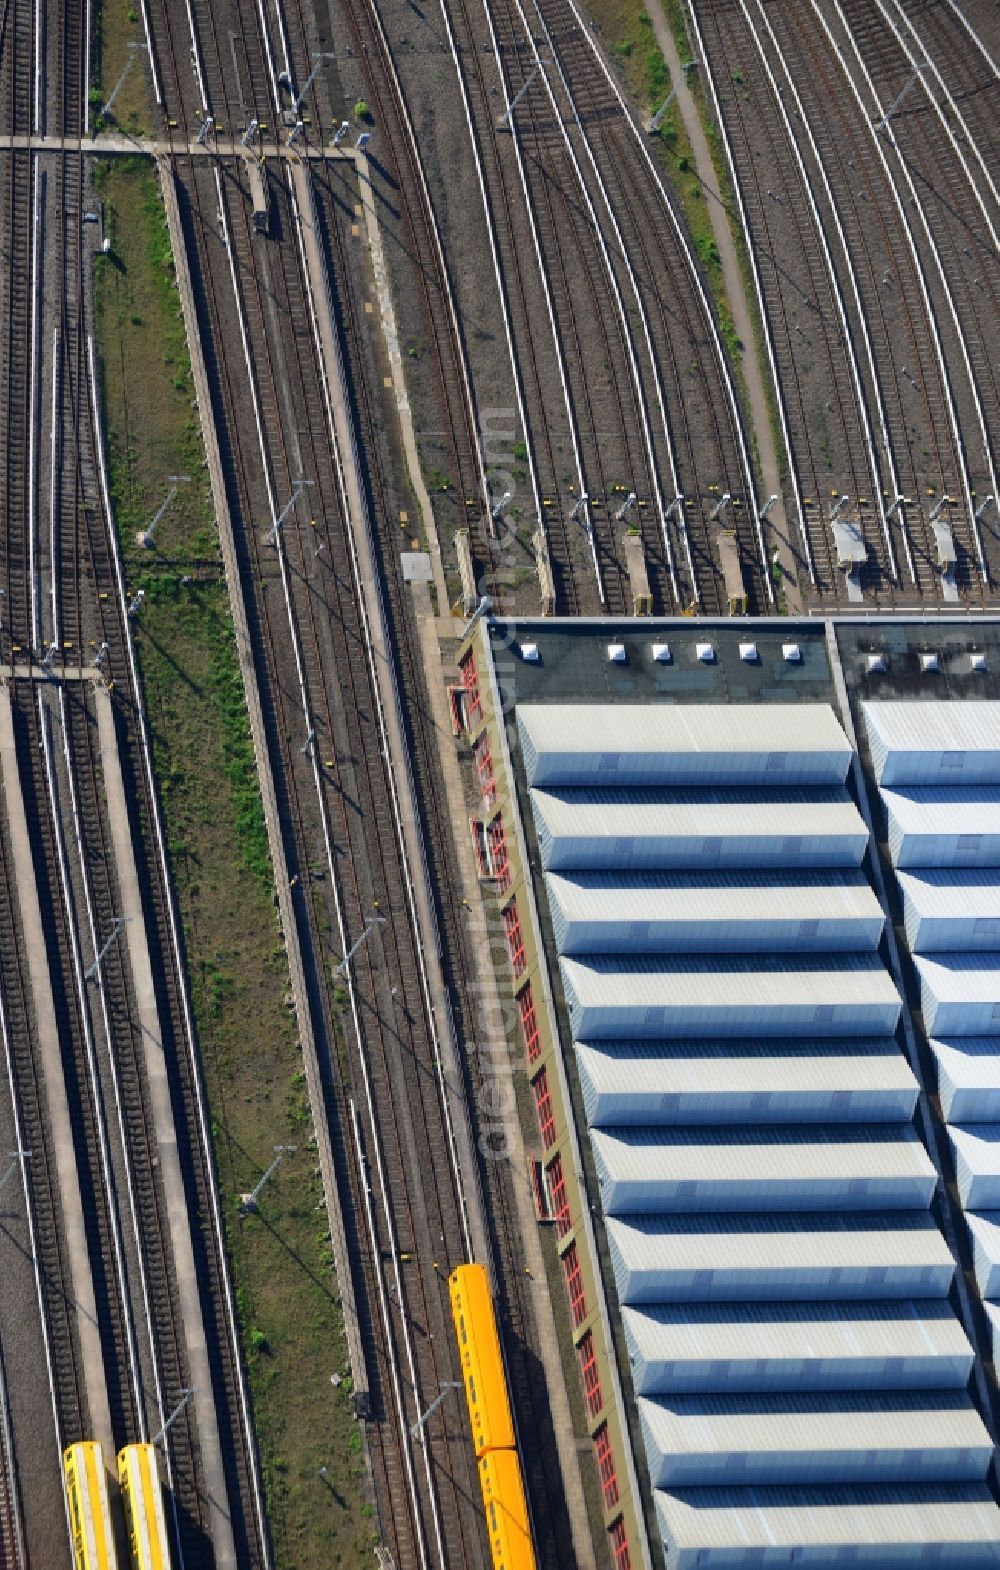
574,431
640,396
959,445
335,881
498,274
708,315
696,33
200,1109
953,106
859,394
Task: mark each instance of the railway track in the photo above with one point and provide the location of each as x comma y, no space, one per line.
882,243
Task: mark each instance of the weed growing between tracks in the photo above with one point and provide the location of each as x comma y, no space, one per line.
281,1258
115,25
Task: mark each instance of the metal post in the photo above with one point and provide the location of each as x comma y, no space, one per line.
16,1158
133,48
362,141
579,507
136,602
248,1202
625,507
497,514
250,134
101,656
939,507
295,132
838,508
771,501
95,967
306,745
273,532
310,79
482,609
676,507
660,115
146,539
722,503
341,132
894,506
925,66
370,924
202,136
186,1395
980,510
446,1386
49,656
505,117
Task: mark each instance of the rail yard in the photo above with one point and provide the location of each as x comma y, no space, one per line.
454,287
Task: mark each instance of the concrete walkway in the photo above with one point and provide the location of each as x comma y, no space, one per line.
108,143
777,522
175,1200
49,1057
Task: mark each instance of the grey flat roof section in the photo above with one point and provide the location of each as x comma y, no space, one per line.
667,744
619,996
864,1437
641,1170
684,912
781,1258
705,830
699,1347
934,743
883,1528
763,1081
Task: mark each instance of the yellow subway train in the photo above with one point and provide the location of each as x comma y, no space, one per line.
493,1437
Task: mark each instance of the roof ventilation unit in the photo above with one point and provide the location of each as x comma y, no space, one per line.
929,662
662,655
616,653
978,660
874,662
748,652
529,652
705,652
792,653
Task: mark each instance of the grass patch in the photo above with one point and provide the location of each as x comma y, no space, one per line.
115,26
282,1262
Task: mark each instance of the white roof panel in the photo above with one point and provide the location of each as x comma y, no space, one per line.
931,826
622,996
959,994
613,829
867,1437
778,1258
647,743
641,1170
953,892
728,1347
759,1082
976,1148
687,911
881,1527
932,741
984,1229
968,1077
